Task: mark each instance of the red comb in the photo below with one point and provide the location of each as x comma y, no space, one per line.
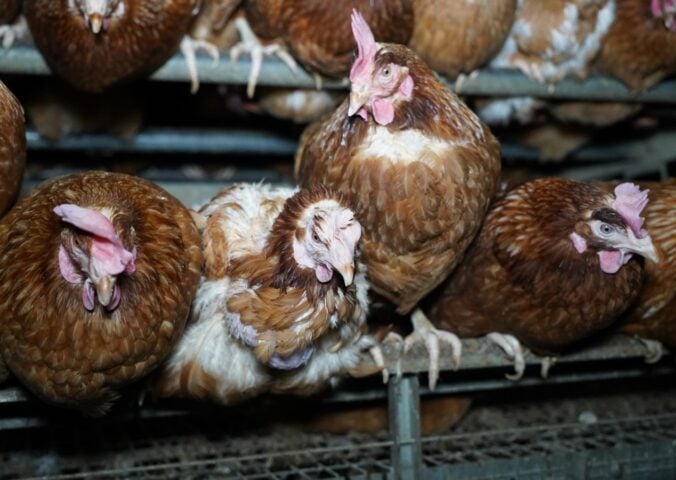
629,202
366,45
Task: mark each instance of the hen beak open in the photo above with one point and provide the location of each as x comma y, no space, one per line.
104,289
95,23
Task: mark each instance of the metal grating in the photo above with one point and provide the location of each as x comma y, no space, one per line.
540,438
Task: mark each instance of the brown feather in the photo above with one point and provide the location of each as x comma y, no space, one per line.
60,351
523,277
318,33
134,45
653,315
418,216
12,148
638,49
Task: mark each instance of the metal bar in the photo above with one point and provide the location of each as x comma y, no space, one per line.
26,60
173,140
404,418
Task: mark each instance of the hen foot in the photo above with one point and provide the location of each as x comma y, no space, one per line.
425,331
189,47
10,33
252,45
512,348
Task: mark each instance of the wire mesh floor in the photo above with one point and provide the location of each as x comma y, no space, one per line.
205,445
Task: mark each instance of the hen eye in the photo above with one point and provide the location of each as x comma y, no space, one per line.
315,237
386,72
606,229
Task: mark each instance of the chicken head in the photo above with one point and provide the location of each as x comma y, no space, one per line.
666,10
93,256
615,231
326,239
97,14
377,83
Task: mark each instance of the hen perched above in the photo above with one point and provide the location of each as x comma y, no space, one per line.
456,37
653,314
314,32
12,148
417,164
94,44
97,272
640,49
554,263
552,39
283,303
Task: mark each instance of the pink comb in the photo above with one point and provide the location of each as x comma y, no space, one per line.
629,202
107,250
366,46
660,7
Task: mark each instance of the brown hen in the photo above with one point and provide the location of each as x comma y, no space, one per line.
456,37
640,48
283,303
554,263
653,314
552,39
417,164
95,45
97,273
12,148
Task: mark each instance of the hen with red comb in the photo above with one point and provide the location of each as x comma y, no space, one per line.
97,273
419,167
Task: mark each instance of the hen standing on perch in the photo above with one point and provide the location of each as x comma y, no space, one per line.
555,262
417,164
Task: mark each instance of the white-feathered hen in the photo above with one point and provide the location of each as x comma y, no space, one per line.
283,302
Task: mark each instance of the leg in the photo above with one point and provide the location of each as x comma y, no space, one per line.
251,44
189,46
512,348
425,331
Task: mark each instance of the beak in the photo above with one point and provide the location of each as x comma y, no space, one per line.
357,100
104,289
642,246
347,272
95,23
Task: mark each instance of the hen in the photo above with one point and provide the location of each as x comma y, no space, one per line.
554,263
283,302
553,39
12,148
653,314
95,44
640,49
456,37
314,32
417,164
97,272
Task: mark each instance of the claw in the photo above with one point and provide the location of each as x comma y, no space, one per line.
512,348
251,44
397,343
547,363
424,330
379,359
654,352
189,46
